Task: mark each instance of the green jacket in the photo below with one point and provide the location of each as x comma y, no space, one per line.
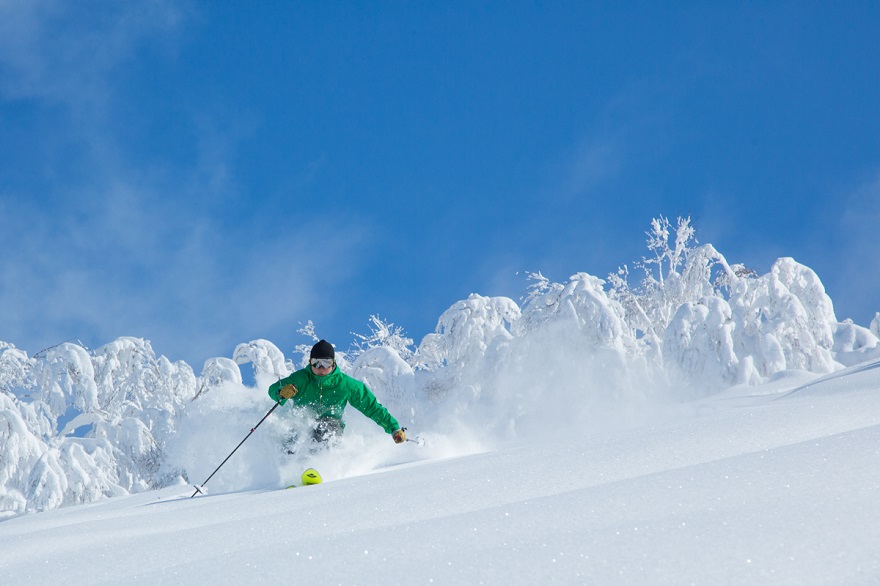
327,396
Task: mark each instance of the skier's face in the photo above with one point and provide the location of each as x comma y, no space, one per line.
322,367
321,371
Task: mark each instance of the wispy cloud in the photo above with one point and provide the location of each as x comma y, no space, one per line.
137,265
122,250
857,281
66,52
592,162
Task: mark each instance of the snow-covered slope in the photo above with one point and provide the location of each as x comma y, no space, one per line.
770,484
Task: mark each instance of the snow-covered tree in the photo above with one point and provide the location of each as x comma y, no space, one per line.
383,360
466,330
15,370
388,375
580,306
677,274
699,342
386,335
784,319
65,379
268,361
22,449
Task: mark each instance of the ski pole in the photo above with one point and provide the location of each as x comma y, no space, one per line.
236,448
415,439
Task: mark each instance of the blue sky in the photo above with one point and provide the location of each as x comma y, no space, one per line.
206,173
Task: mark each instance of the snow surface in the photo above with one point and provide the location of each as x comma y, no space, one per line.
754,486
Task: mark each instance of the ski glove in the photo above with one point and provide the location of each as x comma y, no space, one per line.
399,436
287,392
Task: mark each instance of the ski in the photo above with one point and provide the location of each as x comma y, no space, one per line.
309,477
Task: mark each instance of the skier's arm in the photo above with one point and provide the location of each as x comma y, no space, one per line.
282,390
365,401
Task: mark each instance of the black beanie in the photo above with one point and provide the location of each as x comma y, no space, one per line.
322,349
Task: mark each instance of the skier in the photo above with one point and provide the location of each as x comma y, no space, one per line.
324,390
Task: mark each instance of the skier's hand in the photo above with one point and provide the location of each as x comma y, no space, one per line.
399,436
287,392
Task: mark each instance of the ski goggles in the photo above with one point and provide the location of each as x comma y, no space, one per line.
321,362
